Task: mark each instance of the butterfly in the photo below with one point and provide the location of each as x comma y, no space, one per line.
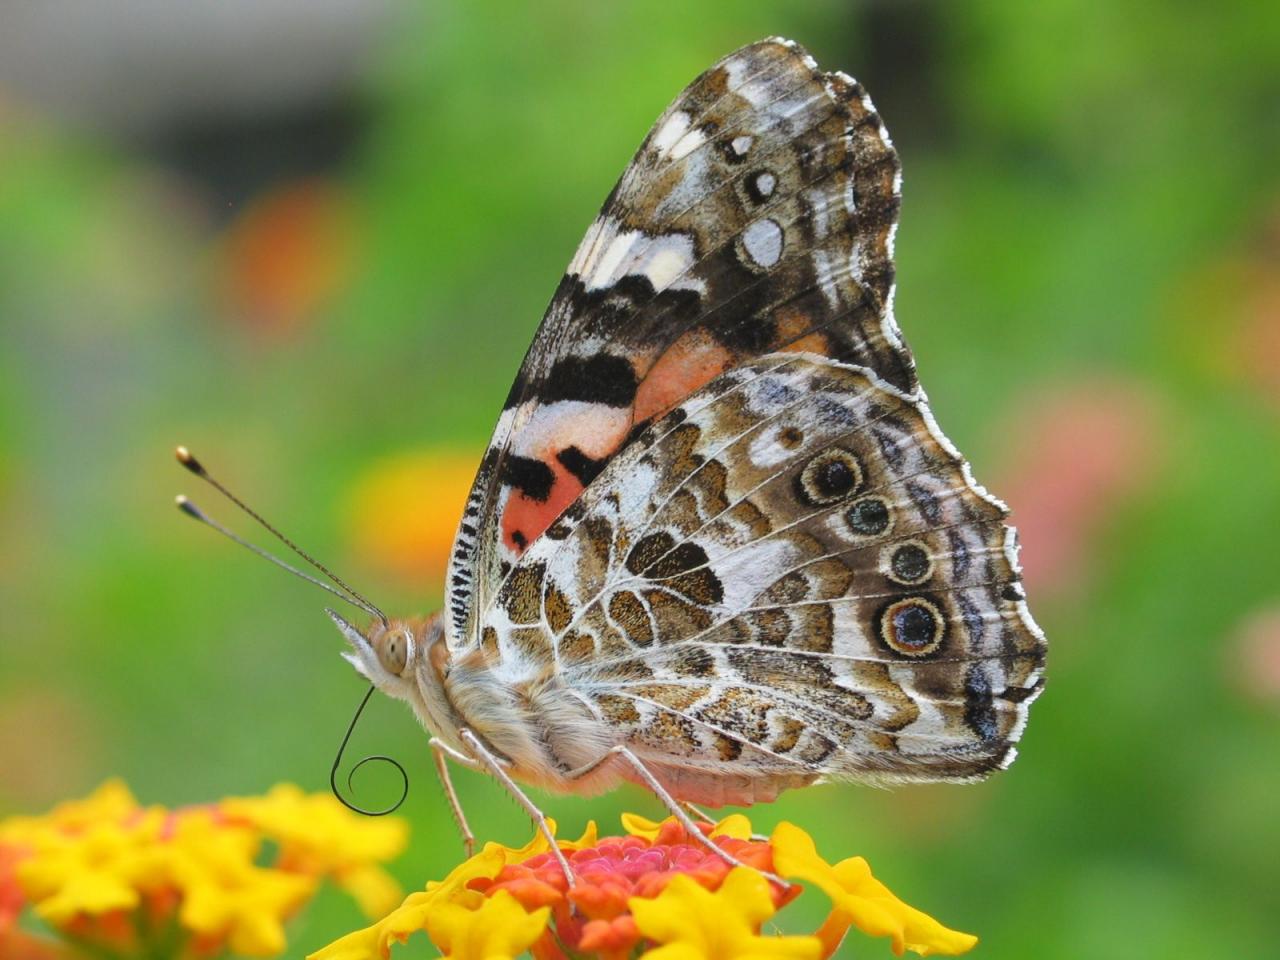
718,545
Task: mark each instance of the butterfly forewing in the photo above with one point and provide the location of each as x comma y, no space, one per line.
758,215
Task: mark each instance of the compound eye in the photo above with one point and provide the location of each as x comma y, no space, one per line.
393,651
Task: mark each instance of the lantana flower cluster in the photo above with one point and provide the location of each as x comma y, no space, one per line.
655,892
111,878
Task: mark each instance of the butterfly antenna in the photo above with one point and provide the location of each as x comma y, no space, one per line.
186,506
337,762
195,513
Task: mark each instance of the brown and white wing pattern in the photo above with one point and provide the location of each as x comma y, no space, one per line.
758,215
790,576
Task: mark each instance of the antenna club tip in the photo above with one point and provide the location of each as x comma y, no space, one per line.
186,506
185,458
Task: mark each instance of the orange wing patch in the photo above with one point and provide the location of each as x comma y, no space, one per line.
687,365
562,447
525,518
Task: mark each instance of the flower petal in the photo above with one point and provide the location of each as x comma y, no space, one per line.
374,942
859,898
638,826
736,825
497,928
358,945
688,920
536,846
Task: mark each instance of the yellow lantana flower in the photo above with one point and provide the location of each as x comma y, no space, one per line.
110,802
655,892
422,910
735,825
412,915
225,895
498,929
320,837
693,923
859,898
129,881
100,868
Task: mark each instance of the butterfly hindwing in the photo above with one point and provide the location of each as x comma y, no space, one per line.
758,215
789,576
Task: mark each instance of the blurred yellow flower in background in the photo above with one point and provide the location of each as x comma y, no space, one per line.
654,892
319,837
117,879
224,894
404,511
101,868
111,801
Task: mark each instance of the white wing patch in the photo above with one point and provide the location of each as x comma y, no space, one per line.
609,252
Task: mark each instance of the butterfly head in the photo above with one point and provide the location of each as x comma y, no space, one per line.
393,653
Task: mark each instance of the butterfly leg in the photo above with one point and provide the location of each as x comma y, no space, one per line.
442,753
491,763
677,810
702,815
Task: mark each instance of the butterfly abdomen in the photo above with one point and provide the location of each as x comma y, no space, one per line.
528,716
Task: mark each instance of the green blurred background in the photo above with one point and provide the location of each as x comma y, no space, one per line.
310,240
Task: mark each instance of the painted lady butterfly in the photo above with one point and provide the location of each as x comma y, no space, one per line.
718,545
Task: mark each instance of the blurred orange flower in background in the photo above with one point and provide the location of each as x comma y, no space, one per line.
117,879
654,892
1227,315
1082,451
287,255
1258,341
1256,654
404,511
